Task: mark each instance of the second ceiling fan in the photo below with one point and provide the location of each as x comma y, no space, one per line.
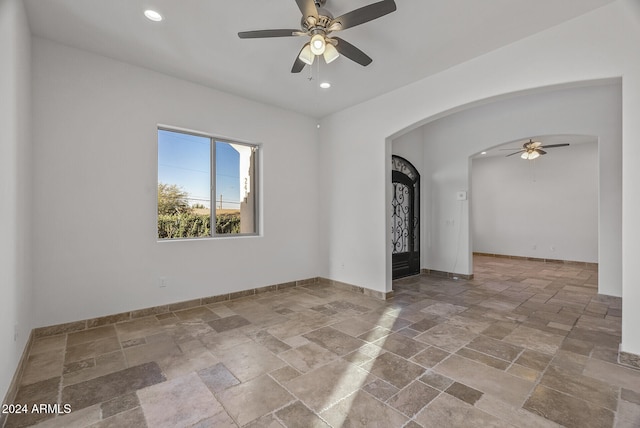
533,149
318,23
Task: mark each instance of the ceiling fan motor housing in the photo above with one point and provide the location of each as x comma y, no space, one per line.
324,19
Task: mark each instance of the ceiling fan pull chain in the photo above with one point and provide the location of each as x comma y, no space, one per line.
533,169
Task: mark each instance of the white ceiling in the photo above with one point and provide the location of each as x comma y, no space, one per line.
198,41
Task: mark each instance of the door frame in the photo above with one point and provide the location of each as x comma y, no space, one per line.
406,263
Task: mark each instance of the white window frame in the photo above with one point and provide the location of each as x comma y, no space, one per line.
212,183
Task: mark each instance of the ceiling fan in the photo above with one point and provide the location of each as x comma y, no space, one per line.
318,23
533,149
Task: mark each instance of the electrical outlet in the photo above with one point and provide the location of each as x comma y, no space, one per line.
552,248
162,282
534,246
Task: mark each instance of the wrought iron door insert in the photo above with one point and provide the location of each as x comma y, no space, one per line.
405,219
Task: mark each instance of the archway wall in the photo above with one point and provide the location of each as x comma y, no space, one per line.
356,142
448,142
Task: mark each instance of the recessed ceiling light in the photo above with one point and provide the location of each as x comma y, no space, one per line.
483,153
325,85
153,15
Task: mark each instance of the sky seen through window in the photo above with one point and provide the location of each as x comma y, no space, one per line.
184,160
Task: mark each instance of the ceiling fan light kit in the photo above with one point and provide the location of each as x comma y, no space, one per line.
318,23
306,55
330,53
318,44
530,155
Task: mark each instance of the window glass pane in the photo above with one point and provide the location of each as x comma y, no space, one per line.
235,188
184,182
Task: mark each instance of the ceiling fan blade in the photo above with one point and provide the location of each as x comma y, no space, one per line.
298,65
258,34
555,145
364,14
542,152
308,8
515,153
353,53
535,144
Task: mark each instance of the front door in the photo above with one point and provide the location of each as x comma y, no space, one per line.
405,219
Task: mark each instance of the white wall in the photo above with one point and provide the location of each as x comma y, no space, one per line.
601,44
410,146
15,188
95,183
545,208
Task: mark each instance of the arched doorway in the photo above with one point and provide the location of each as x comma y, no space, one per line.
405,218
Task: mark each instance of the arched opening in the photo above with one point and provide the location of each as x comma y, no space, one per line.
447,143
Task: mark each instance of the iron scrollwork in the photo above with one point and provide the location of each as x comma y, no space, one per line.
405,220
400,219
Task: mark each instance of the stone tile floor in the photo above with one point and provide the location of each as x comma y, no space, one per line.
524,344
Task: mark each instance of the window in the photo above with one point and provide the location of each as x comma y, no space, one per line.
199,176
